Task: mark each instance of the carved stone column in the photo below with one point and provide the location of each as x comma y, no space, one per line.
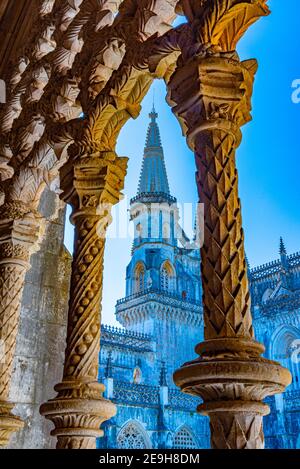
91,185
19,230
211,97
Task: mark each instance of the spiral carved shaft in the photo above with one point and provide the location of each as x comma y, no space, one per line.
226,296
91,185
19,233
83,341
11,287
211,97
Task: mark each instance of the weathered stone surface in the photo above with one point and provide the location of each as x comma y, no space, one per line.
40,346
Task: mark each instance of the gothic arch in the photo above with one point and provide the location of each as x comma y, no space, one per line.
184,438
133,436
167,276
285,348
139,277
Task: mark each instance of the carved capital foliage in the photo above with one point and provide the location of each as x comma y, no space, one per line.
222,23
212,93
93,180
19,232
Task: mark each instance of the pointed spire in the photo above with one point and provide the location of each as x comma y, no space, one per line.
163,375
108,368
282,249
153,178
248,267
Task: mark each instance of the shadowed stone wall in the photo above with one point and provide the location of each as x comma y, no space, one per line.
38,363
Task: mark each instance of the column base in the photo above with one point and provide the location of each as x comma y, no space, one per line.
232,379
77,413
9,423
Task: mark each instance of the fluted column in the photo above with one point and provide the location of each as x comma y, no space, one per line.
91,185
19,229
211,97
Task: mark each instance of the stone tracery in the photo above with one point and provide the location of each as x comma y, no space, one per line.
100,57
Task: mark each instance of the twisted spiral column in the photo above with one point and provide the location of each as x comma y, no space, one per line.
211,97
91,185
18,236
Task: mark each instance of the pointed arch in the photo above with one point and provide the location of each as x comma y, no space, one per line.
184,438
167,276
133,436
285,348
139,277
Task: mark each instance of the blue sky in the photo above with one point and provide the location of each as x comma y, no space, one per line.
268,159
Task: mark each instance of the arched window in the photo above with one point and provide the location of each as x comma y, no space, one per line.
167,277
285,348
184,439
139,278
133,436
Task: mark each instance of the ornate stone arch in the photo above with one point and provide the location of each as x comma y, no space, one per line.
184,438
133,436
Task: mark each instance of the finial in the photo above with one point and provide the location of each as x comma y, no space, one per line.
153,114
282,249
108,368
163,375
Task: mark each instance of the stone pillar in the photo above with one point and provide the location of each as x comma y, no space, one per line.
211,97
19,229
91,185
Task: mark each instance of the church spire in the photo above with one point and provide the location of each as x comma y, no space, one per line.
153,178
282,249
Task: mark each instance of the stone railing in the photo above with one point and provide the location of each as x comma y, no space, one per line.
179,400
141,394
156,197
123,338
271,268
125,332
135,394
158,292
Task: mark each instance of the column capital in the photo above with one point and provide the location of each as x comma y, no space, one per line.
19,232
212,92
93,180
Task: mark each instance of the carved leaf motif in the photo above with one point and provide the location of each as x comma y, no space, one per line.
235,23
226,21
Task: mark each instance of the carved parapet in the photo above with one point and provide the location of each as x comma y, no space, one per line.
211,95
92,185
19,233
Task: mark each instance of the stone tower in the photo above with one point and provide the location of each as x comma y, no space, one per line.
163,286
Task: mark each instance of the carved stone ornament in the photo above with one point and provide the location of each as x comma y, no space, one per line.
211,98
81,73
92,186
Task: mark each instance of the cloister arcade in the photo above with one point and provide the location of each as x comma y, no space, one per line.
76,71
